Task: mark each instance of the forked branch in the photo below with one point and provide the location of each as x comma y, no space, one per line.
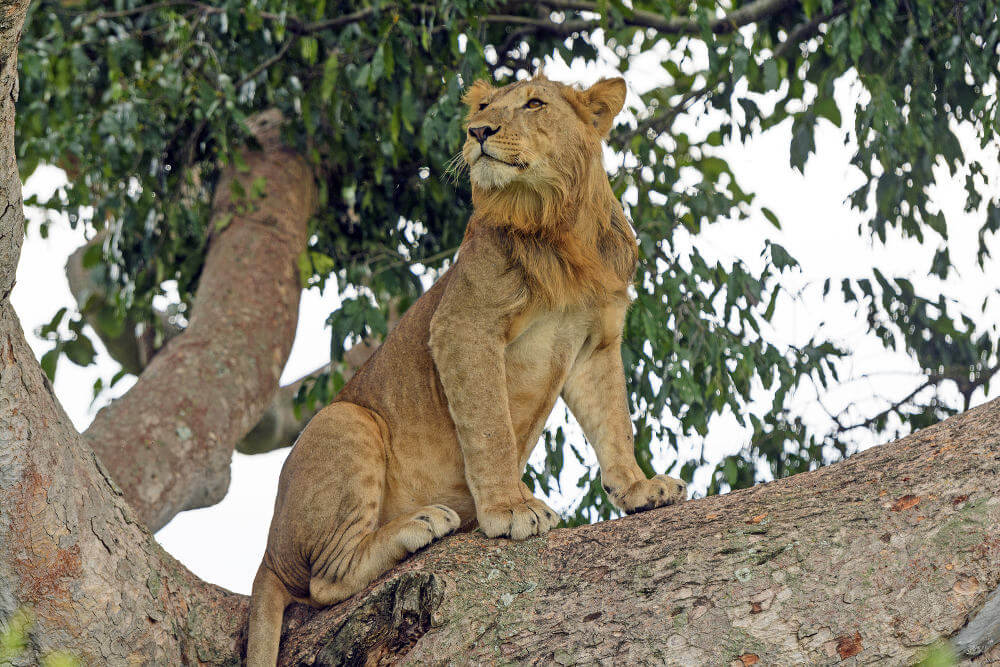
169,440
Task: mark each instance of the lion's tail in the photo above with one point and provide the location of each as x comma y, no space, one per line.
267,608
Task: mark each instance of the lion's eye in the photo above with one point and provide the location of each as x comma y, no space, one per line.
483,105
534,103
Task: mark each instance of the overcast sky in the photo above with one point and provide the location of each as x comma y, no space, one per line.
223,544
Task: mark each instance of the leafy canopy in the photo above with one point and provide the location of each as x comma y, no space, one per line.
144,103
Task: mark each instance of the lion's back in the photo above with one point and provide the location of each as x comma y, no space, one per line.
400,382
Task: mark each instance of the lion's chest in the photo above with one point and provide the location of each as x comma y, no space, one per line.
537,363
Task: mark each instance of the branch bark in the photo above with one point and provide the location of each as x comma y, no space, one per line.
876,558
168,442
74,558
12,16
737,18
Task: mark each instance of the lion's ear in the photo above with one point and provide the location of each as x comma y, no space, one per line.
604,100
476,93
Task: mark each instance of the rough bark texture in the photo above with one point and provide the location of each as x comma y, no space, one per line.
11,214
73,555
870,560
168,442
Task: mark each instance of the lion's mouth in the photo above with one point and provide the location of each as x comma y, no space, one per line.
516,165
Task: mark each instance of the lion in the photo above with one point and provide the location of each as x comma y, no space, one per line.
433,433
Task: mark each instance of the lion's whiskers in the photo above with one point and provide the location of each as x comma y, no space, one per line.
456,167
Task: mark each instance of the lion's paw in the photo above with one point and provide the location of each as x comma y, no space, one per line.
518,521
426,525
649,493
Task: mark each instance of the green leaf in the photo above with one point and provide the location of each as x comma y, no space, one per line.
770,79
80,350
771,217
222,221
803,143
826,107
712,167
780,257
309,49
330,70
49,361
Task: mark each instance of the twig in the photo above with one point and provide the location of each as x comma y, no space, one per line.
807,30
142,9
267,63
894,407
667,117
749,13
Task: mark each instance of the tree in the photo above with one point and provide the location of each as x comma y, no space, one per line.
245,149
169,87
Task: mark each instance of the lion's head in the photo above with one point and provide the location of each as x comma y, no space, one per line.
537,134
533,149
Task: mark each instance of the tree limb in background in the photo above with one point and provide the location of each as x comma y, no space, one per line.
678,25
168,442
807,30
136,346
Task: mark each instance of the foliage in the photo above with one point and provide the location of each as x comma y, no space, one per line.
143,104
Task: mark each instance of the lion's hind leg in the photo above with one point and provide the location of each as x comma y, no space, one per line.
375,552
338,498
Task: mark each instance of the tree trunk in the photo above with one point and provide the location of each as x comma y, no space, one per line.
74,559
78,572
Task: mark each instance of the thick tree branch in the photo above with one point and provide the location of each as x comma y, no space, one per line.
169,440
73,555
877,557
135,347
11,210
74,560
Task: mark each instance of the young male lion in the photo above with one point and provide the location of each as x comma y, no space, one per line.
433,433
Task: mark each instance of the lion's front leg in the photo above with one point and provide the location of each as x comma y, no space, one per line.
473,381
595,394
467,346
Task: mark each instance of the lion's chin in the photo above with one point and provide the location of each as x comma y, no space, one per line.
492,175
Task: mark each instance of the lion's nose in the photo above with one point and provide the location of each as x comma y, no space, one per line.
482,132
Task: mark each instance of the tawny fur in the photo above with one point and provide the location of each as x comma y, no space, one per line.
433,433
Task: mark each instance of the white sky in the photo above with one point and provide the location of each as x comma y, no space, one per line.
223,544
